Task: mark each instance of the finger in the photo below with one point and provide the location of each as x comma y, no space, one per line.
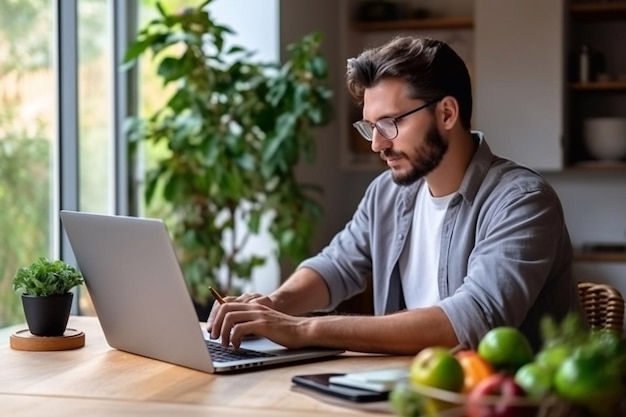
211,318
217,316
247,297
225,337
213,314
240,331
218,328
234,319
263,300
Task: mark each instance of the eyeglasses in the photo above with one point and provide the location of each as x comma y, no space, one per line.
387,126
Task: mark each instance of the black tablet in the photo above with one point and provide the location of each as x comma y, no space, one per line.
320,383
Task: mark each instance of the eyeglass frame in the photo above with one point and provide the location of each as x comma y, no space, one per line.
373,125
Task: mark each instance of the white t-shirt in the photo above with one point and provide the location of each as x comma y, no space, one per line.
419,260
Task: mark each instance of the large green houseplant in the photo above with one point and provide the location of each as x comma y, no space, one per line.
234,130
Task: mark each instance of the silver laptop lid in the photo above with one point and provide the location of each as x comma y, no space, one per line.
140,296
137,287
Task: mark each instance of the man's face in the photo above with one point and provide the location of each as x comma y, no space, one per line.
419,147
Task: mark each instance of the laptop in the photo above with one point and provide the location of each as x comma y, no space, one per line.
142,302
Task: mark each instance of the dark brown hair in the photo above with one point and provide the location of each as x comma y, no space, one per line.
430,67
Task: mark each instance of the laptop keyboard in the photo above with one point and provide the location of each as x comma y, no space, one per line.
220,353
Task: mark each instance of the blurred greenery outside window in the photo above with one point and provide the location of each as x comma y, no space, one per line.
27,119
95,119
28,123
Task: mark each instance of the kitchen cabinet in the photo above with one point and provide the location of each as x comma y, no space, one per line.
600,25
619,257
601,252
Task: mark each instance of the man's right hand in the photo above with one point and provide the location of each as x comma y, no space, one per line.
252,298
253,314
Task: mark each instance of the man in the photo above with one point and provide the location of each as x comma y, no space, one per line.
457,240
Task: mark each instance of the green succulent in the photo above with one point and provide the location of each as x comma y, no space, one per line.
45,277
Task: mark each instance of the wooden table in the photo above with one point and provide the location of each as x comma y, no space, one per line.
103,381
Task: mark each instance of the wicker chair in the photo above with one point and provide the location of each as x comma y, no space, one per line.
603,305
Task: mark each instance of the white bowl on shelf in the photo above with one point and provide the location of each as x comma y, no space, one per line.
605,137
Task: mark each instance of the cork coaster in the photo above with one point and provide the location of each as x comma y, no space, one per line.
25,340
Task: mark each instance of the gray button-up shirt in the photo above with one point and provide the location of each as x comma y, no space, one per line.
505,259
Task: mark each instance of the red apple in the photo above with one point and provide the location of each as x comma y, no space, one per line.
498,395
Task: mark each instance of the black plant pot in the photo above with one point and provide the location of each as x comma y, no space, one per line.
47,316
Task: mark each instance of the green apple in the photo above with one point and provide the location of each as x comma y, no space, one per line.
406,402
535,379
437,367
506,348
587,378
553,356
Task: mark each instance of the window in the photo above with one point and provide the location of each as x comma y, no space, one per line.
63,101
95,109
58,129
27,123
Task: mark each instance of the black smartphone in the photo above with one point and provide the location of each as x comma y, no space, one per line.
320,383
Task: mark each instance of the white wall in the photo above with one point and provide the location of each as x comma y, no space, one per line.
256,27
594,204
298,18
255,23
595,211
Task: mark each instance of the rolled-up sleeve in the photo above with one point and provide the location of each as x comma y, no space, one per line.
517,242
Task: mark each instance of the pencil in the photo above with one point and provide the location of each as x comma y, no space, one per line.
216,295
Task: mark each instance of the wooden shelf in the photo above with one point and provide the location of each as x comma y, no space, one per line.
599,86
598,166
417,24
600,257
599,10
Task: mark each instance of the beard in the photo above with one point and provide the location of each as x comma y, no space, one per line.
425,157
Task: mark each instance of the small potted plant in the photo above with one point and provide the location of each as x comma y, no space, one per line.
45,287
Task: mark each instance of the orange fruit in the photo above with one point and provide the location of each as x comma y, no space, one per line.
475,368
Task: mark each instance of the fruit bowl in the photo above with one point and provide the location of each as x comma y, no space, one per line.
410,400
434,402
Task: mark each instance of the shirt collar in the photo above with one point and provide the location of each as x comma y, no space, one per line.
473,178
477,168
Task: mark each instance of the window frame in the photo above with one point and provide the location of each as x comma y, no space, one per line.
122,18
